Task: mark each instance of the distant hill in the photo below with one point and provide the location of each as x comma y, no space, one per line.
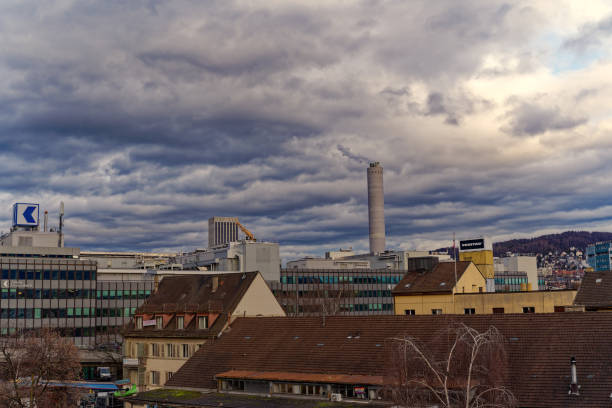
544,244
550,243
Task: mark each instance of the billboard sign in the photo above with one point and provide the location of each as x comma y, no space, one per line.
478,244
25,215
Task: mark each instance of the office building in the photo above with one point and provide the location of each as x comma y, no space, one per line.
599,256
222,230
343,292
518,264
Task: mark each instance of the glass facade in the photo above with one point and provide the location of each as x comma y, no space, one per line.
303,292
64,293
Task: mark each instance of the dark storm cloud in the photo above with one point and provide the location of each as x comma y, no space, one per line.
148,117
532,118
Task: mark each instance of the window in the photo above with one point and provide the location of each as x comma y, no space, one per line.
498,310
171,350
169,375
559,309
436,311
202,322
529,309
409,312
186,351
469,311
155,377
139,322
155,350
180,322
159,322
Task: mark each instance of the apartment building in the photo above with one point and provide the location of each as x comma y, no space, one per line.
185,313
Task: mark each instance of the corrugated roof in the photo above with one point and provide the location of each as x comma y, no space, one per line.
441,279
595,290
539,348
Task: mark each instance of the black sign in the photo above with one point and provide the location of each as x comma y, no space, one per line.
471,244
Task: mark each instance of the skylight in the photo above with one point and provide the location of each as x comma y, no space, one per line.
442,283
598,280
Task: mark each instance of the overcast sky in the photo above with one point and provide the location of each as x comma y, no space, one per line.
148,117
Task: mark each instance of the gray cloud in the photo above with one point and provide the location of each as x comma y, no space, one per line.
590,35
149,117
531,118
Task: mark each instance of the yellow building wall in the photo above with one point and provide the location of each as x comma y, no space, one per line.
258,301
471,281
482,259
162,363
483,303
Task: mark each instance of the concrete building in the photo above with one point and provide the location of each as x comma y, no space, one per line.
222,230
517,264
376,208
599,256
328,263
510,281
186,312
241,256
129,260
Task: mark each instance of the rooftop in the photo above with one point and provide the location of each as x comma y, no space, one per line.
539,347
441,279
595,290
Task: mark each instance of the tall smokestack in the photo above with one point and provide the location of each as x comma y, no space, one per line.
376,208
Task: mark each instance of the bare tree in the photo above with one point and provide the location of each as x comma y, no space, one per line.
461,367
32,366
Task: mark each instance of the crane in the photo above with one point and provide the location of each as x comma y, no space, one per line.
248,233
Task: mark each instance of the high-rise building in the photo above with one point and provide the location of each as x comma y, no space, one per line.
222,230
599,256
376,208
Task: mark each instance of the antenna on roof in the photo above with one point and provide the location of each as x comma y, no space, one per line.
454,256
61,224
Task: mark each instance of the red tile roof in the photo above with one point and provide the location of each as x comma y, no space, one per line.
539,348
441,279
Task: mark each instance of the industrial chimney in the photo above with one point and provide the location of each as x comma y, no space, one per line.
376,208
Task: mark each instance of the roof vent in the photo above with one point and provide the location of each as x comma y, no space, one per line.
598,280
442,283
407,285
574,388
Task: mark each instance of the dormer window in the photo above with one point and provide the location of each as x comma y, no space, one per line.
202,322
159,322
139,322
180,322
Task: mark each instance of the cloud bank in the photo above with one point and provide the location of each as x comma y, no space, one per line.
148,117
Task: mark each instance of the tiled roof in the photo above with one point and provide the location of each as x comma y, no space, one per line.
193,293
595,290
539,348
441,279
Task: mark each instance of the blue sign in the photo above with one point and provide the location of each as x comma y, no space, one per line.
25,215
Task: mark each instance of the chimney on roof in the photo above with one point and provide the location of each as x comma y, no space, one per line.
215,284
574,388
